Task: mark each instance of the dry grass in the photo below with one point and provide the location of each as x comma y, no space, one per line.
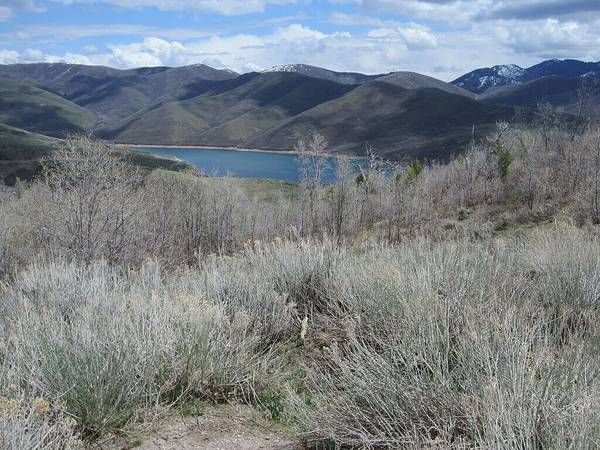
457,343
379,312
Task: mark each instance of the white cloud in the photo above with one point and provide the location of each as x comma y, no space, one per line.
297,32
550,37
5,13
151,51
43,32
31,55
415,37
224,7
9,57
292,44
467,11
451,11
387,46
8,8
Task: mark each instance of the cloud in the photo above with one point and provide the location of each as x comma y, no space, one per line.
531,10
9,57
435,10
415,37
151,51
345,19
5,13
35,55
550,38
224,7
465,11
27,5
383,45
70,32
8,8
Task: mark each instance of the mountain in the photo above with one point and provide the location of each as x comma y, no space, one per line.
19,149
400,113
324,74
569,68
558,91
73,81
408,80
229,114
21,152
23,105
413,80
422,122
479,80
271,110
112,95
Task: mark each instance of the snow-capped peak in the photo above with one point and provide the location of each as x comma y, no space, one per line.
288,68
510,71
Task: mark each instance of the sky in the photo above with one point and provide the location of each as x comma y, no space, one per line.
440,38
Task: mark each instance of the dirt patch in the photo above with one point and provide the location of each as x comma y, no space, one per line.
219,428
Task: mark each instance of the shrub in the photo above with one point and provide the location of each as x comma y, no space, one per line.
86,202
414,170
504,161
115,346
31,424
452,345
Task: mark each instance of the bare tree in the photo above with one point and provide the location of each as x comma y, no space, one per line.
92,199
339,200
312,170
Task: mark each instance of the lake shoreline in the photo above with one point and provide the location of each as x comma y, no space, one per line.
214,147
233,149
243,163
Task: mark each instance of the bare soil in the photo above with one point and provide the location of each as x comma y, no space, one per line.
219,428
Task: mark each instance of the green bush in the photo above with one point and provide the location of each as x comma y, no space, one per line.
415,168
505,159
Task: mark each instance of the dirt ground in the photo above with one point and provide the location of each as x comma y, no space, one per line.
219,428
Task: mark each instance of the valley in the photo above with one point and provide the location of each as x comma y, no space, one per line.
299,258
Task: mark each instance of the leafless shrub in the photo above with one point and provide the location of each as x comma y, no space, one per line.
186,215
313,165
86,202
460,345
116,347
33,424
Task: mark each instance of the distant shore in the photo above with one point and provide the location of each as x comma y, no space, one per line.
215,147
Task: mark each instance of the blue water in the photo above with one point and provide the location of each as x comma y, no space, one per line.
244,164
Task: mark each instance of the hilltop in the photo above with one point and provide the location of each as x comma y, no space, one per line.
414,114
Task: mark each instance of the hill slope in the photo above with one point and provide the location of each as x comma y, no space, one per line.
324,74
407,80
396,121
232,113
413,80
113,95
400,113
480,80
555,90
25,106
21,152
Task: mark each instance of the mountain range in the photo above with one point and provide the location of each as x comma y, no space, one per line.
561,83
400,114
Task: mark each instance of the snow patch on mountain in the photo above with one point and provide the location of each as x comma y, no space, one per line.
510,71
296,68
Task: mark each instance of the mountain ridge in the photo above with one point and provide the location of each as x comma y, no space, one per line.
414,114
479,80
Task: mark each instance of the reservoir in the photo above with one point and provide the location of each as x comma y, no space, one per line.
245,163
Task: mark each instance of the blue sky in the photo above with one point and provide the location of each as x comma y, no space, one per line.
442,38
